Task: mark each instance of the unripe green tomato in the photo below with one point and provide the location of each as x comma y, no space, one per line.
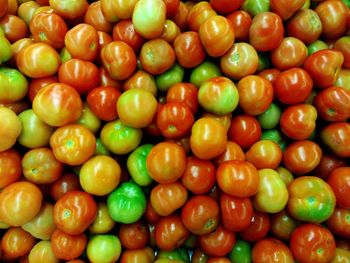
241,252
271,117
169,78
5,49
13,84
316,46
203,72
104,249
89,119
254,7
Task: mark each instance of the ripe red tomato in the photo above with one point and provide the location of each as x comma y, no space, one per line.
66,246
258,228
185,93
134,236
339,180
286,8
37,84
74,212
198,14
124,30
14,27
16,242
336,137
241,21
226,6
65,183
338,223
95,17
264,154
271,250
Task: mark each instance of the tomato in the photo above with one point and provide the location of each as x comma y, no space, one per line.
16,242
272,195
200,214
68,10
286,9
170,232
42,252
203,72
74,212
293,86
305,25
103,222
185,93
141,80
134,236
255,94
127,203
293,49
236,212
166,162
271,117
332,104
283,225
254,7
10,130
149,17
124,30
199,256
323,67
238,178
342,44
336,137
10,167
41,167
180,18
65,183
258,228
66,246
241,252
264,154
48,28
271,250
199,175
170,77
13,27
301,157
152,218
135,255
208,138
104,248
4,8
14,85
136,108
37,84
333,16
327,164
166,198
312,243
119,138
174,256
42,225
310,199
157,56
341,255
338,223
266,31
30,60
189,50
241,22
339,180
198,14
170,32
95,17
217,35
20,202
226,6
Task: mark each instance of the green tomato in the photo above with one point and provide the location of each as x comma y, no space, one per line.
127,203
5,49
270,118
203,72
89,119
169,78
264,61
254,7
104,249
13,85
275,136
119,138
101,149
347,3
65,55
180,254
136,164
35,133
316,46
241,252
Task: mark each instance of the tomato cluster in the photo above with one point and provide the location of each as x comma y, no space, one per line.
175,131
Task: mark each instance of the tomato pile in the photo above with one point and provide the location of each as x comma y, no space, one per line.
175,131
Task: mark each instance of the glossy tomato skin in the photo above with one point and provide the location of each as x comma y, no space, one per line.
135,255
67,10
332,104
241,21
48,28
258,228
20,202
310,199
74,212
200,214
103,222
271,250
236,213
286,9
14,27
264,154
312,243
134,236
65,183
339,180
11,128
16,242
184,92
198,14
66,246
10,167
226,6
42,252
94,16
124,30
283,225
338,223
342,44
37,84
336,137
293,86
266,31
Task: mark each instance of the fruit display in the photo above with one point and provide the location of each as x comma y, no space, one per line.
175,131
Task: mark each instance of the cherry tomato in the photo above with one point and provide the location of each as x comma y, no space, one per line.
66,246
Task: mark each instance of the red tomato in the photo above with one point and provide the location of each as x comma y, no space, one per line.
258,228
264,154
342,44
302,157
293,86
336,137
134,236
338,223
170,233
141,80
14,27
66,246
180,18
185,93
286,8
236,213
226,6
74,212
266,32
37,84
3,7
255,94
199,175
16,242
10,167
200,214
241,21
312,243
95,17
245,130
271,75
150,214
67,182
233,152
79,74
327,164
48,28
189,50
124,31
339,180
271,250
237,178
283,225
145,255
198,14
172,7
217,243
